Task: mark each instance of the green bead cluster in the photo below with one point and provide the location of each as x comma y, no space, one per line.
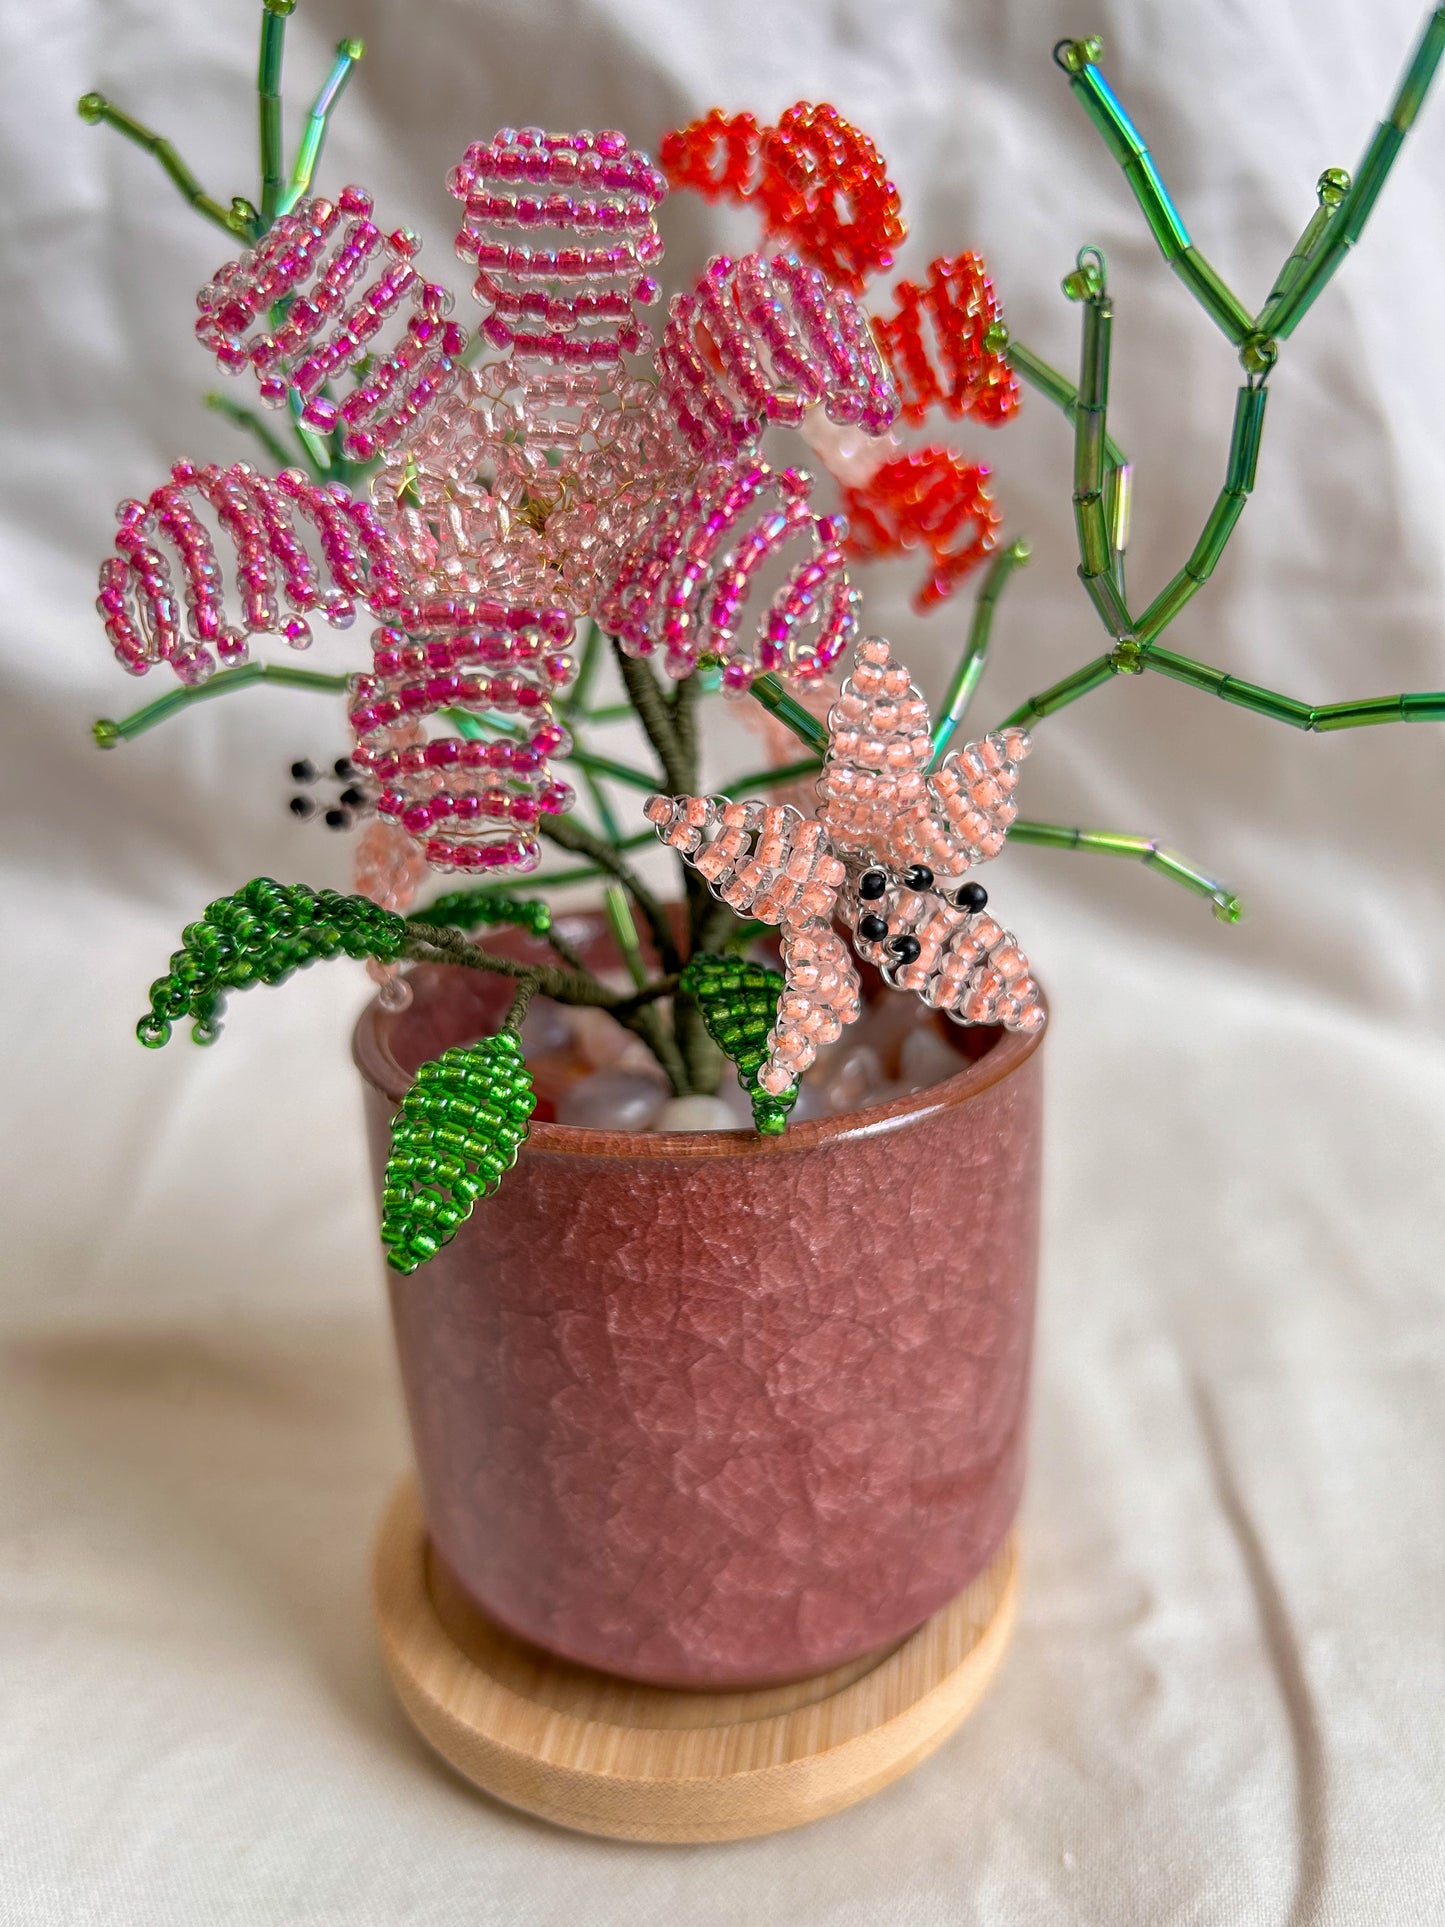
260,936
458,1131
739,1005
465,909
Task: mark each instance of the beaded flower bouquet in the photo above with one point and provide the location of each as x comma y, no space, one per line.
711,1211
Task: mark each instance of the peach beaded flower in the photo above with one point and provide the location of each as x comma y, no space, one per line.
886,832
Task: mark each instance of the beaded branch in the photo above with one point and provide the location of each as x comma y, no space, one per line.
569,490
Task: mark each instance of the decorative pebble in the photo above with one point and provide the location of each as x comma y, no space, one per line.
883,1093
701,1114
602,1042
613,1100
850,1074
545,1027
927,1058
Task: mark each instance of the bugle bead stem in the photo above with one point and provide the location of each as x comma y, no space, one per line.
318,121
971,664
1140,849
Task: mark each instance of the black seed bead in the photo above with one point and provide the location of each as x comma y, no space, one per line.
352,797
301,806
303,772
872,929
918,877
971,896
905,949
338,819
872,885
343,769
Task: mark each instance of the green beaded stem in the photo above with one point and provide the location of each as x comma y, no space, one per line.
1421,706
790,712
1229,506
274,15
466,909
455,1137
971,664
1061,694
108,733
1122,138
253,424
1140,849
1284,315
261,935
739,1004
1096,556
318,121
96,110
1057,388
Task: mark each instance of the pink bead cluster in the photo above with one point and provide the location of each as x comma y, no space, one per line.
682,584
291,263
771,862
967,966
876,797
535,467
571,304
762,341
148,621
471,805
757,342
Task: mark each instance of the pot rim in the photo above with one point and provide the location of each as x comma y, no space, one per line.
373,1056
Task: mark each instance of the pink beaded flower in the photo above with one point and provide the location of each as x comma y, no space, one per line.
887,831
540,472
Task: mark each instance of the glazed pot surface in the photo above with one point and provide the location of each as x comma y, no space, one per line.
711,1410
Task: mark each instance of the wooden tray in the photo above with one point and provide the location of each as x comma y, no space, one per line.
605,1756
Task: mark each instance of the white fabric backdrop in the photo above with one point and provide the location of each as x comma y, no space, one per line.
1224,1701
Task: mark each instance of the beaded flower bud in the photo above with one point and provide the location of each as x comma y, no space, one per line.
929,499
822,185
313,260
761,341
939,345
150,618
471,805
682,585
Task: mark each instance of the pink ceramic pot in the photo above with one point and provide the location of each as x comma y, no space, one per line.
711,1410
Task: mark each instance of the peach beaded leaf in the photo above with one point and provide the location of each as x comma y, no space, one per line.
886,830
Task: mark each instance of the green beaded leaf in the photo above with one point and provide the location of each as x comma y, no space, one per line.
259,936
739,1005
458,1131
465,909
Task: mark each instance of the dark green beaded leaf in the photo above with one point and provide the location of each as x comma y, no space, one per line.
465,909
739,1005
457,1133
262,934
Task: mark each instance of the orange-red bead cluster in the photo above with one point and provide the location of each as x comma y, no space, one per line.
821,184
929,498
937,344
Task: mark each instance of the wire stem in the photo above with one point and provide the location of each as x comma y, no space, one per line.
108,734
253,424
